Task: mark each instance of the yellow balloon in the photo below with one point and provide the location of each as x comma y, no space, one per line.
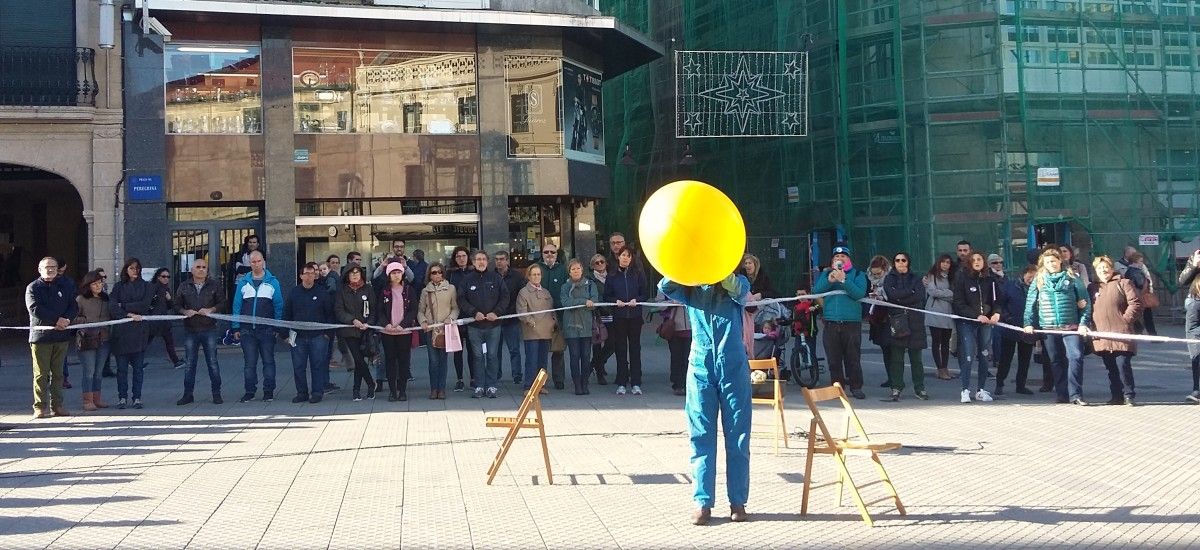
692,233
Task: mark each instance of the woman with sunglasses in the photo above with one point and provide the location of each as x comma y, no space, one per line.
131,298
903,287
164,304
602,318
356,304
438,307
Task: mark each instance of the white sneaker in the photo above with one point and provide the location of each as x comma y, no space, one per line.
637,390
621,390
966,396
983,395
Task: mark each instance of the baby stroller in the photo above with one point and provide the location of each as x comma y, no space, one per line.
771,334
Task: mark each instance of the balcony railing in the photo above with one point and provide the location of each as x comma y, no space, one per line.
32,76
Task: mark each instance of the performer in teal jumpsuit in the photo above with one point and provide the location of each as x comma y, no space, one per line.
718,380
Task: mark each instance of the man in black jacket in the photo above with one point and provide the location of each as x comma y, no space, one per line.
195,299
484,297
308,302
510,329
50,300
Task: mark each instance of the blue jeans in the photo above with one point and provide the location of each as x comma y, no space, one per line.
974,350
259,343
192,342
580,350
437,368
311,354
511,338
91,364
1066,362
537,353
485,348
138,362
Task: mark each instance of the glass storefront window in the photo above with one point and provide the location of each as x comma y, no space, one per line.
212,89
533,223
534,89
380,91
374,241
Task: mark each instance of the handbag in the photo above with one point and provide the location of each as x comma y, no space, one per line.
558,344
666,329
599,330
439,340
369,344
87,340
1150,299
453,338
898,324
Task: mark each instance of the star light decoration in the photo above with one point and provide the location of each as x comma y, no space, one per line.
729,94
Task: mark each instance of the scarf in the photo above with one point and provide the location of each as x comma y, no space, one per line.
355,286
600,275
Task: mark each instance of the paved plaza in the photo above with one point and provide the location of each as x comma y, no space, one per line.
1019,472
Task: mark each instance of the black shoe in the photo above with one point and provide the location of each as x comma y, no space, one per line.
137,403
1193,397
378,387
370,392
108,373
601,379
268,396
885,384
1079,401
314,399
402,397
922,395
560,385
357,396
392,397
246,398
1045,389
517,381
412,378
1129,402
458,386
330,386
187,398
217,399
1061,400
300,399
1024,391
894,396
858,394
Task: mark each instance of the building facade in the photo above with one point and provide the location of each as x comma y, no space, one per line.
340,126
60,142
931,121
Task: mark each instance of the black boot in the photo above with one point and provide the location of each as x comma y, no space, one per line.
578,386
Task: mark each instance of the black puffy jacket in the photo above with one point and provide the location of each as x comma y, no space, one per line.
976,294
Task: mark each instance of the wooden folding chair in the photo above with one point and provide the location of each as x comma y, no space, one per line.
514,425
859,444
776,400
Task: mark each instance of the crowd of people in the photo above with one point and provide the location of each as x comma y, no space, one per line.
973,308
417,302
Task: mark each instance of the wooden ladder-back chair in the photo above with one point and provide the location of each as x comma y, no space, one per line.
841,447
515,423
776,399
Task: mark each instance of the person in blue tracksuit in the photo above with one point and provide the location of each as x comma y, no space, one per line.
718,381
257,294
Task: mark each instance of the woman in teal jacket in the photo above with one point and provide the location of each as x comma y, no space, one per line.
577,323
1060,302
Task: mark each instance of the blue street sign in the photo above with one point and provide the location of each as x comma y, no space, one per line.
145,188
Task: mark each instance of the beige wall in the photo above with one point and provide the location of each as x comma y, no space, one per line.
81,144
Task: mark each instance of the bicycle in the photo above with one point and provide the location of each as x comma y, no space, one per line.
805,366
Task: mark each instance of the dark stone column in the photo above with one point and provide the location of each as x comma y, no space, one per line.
279,147
145,147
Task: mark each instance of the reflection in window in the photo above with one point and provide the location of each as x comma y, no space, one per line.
534,85
212,89
378,91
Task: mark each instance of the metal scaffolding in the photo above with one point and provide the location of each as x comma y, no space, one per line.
930,120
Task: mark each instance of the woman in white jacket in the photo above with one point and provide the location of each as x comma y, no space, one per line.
940,299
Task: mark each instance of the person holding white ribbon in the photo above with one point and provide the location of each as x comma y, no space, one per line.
1117,309
438,307
1060,301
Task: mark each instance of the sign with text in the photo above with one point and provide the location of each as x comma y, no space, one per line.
145,188
583,113
1048,177
1148,240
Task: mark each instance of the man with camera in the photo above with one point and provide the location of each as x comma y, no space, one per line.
843,320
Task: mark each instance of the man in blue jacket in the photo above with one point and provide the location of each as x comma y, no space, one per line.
257,294
843,320
312,303
50,301
718,383
483,296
